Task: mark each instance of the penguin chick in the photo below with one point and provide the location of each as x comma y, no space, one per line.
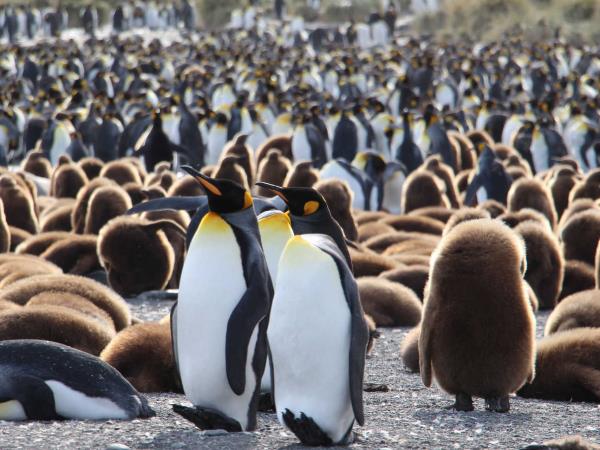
411,260
369,230
478,329
272,169
545,264
441,213
579,276
143,354
21,291
237,147
363,217
37,164
412,246
17,235
413,277
136,193
577,206
464,215
37,244
122,172
494,207
230,169
91,166
281,142
58,219
67,180
185,186
381,243
8,306
80,209
389,304
370,264
136,255
562,182
478,137
301,175
444,172
164,179
419,224
105,204
580,236
565,443
76,303
532,193
567,367
585,189
422,189
4,231
579,310
181,218
338,196
18,205
514,218
75,255
409,349
55,324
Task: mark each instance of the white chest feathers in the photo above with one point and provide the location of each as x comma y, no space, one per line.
309,335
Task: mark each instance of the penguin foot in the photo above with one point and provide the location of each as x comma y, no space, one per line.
497,404
208,419
265,403
463,402
306,430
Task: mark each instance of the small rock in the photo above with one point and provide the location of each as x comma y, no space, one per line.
117,446
214,433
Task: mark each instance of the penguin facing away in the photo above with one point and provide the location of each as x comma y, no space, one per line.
41,380
318,399
224,300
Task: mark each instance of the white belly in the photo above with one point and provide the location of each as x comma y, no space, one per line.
216,142
300,146
392,193
12,410
212,284
309,336
73,404
481,195
539,152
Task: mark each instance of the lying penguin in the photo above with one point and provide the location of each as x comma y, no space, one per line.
41,380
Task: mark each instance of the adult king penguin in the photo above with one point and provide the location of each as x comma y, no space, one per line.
317,398
310,214
220,319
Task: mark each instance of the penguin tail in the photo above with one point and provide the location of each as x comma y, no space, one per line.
306,430
207,418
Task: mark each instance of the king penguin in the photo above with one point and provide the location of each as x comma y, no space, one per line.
318,399
220,319
42,380
491,182
275,232
310,214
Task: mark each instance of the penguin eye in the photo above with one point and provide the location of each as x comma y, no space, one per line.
311,207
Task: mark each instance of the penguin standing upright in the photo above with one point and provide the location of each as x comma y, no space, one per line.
155,146
491,182
220,319
317,398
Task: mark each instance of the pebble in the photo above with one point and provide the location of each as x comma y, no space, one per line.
117,446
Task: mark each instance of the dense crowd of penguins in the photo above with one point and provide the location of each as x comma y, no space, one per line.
453,186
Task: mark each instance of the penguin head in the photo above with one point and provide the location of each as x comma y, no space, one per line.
224,196
301,201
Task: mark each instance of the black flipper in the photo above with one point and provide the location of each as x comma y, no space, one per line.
253,307
306,430
475,184
208,419
35,396
359,330
175,203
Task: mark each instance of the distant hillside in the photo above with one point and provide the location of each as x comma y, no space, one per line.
494,19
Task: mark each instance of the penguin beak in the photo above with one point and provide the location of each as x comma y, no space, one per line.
205,181
277,190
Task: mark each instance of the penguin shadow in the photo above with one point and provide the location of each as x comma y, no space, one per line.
196,439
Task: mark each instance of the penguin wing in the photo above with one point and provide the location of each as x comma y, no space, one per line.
174,203
317,146
33,393
472,190
359,333
253,307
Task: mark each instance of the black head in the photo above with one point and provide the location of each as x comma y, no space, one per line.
224,196
301,201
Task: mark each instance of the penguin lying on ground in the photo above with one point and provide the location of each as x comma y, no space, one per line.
475,347
567,367
579,310
579,276
370,264
390,304
41,380
75,255
317,399
222,380
413,277
143,354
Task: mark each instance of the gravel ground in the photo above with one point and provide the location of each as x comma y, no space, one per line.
408,416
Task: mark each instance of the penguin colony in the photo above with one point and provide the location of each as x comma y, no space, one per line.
340,191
